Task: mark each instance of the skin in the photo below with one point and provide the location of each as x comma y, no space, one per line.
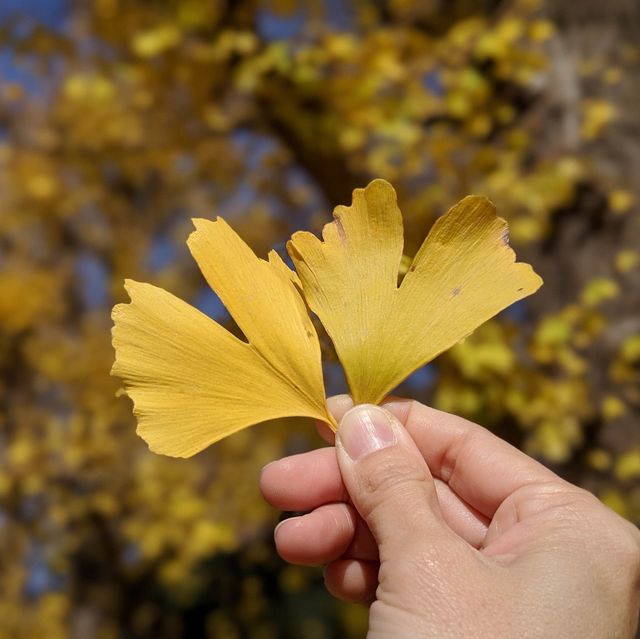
449,531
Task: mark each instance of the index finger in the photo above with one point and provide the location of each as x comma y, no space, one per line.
338,405
478,466
482,469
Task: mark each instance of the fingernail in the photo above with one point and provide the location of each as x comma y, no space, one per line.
275,530
365,429
266,466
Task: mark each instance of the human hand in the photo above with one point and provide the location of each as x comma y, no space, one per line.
448,531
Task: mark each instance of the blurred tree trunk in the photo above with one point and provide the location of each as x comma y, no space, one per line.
585,239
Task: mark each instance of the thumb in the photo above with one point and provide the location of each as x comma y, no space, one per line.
388,481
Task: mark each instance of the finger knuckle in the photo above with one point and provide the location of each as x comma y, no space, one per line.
392,474
627,550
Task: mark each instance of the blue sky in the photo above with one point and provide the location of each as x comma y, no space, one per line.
51,12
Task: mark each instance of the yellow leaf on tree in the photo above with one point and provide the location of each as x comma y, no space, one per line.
193,382
463,274
628,465
148,44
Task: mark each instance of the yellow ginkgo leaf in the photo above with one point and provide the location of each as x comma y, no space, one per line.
193,382
464,273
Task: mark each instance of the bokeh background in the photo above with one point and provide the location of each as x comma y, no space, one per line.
121,120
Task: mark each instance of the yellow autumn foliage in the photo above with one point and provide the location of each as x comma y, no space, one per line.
122,121
193,383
